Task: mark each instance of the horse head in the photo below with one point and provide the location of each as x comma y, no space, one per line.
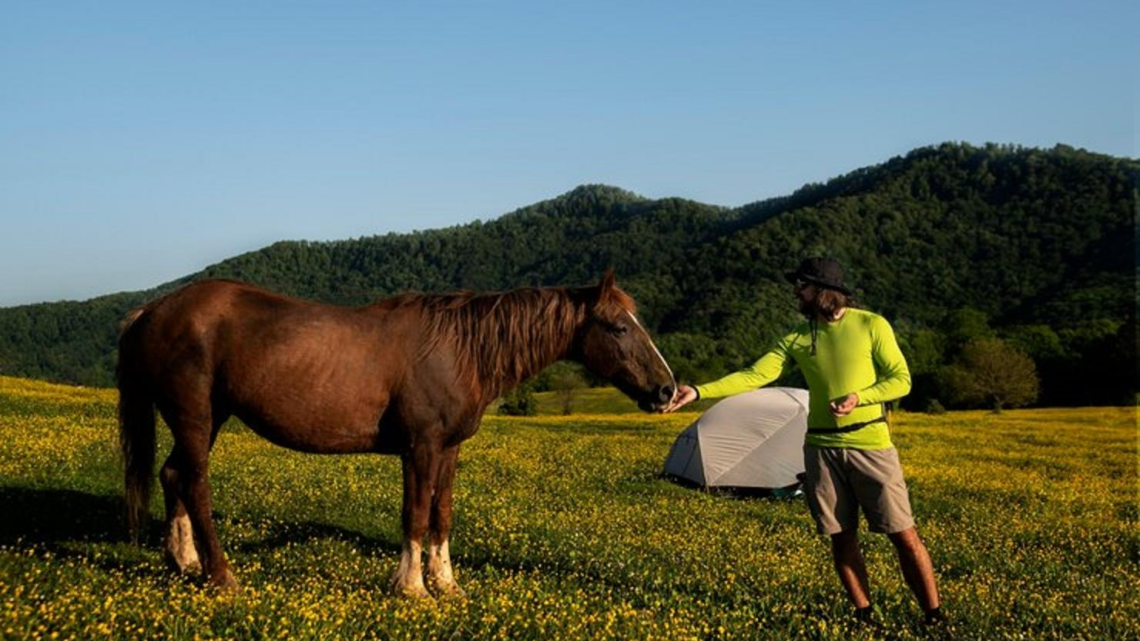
612,344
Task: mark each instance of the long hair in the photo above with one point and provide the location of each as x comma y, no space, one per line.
501,338
826,303
829,301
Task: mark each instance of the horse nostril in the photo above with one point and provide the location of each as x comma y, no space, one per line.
665,393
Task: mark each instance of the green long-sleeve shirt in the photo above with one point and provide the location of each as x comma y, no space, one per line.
857,353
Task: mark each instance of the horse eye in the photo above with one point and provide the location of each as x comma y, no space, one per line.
618,330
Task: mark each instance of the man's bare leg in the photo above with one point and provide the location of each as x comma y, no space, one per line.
916,567
851,568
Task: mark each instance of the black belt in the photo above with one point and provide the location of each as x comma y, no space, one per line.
846,428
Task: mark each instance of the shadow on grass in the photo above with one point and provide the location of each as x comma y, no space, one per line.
76,525
283,534
51,517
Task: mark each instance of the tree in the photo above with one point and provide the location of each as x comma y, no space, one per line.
991,373
1040,342
924,350
965,325
693,357
519,401
565,380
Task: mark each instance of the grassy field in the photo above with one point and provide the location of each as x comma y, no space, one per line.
565,530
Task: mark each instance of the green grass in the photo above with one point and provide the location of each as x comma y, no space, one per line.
564,529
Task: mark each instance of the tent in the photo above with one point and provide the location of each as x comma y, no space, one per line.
750,443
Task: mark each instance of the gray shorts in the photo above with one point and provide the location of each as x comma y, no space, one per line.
840,480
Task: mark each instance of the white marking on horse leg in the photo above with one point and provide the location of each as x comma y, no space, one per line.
408,579
441,577
179,545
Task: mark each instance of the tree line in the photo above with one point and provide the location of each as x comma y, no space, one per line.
969,251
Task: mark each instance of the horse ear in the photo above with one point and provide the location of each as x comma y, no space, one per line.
605,289
608,282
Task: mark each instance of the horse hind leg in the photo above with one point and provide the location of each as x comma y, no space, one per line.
189,480
178,546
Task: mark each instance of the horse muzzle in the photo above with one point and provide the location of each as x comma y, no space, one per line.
658,400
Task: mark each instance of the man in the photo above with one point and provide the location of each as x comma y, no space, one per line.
853,366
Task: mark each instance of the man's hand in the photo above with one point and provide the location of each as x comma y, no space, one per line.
843,405
685,395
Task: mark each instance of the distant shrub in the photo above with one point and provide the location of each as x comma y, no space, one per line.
992,374
565,380
520,401
934,407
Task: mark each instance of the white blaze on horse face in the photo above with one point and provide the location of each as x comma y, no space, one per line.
672,378
180,550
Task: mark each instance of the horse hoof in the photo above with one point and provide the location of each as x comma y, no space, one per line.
224,582
183,568
447,590
412,592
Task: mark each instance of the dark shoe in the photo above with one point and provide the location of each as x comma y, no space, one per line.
936,625
934,617
867,618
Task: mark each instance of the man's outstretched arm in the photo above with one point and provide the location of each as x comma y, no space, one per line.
766,369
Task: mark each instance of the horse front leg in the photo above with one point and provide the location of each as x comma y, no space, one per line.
419,474
441,577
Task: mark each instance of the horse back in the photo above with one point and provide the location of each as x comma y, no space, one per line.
309,376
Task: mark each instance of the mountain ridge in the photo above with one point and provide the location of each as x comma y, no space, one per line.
1023,234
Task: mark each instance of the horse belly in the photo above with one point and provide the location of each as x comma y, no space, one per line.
307,432
311,382
312,413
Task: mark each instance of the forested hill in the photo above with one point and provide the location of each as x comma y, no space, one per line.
949,242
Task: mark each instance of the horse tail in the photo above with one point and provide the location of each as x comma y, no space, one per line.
136,427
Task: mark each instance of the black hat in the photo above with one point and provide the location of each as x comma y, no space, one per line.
825,272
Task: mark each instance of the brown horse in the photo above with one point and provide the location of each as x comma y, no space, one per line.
409,375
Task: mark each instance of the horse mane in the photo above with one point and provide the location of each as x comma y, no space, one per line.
503,338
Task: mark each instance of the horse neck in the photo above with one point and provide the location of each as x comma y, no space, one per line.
519,337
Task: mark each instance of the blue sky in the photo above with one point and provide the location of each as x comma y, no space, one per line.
141,141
